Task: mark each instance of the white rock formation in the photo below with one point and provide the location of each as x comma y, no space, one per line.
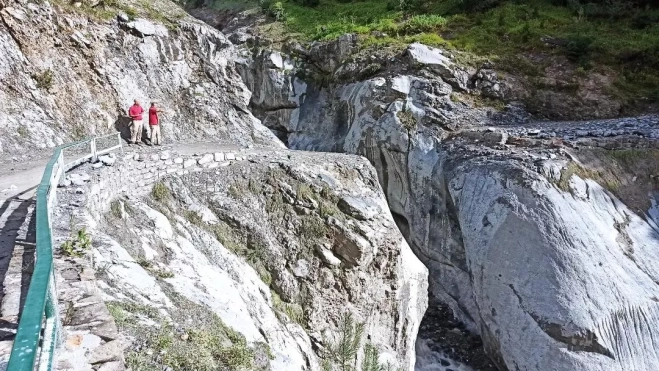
550,279
355,262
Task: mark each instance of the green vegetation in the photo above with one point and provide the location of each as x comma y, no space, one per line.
193,217
116,209
157,271
127,313
160,192
341,354
109,9
287,311
80,242
313,227
623,35
407,119
236,191
209,344
22,131
44,79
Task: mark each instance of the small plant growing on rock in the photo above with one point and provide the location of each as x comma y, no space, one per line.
291,311
160,192
254,187
371,360
116,208
81,242
407,119
342,354
44,79
303,193
236,192
193,217
22,131
130,12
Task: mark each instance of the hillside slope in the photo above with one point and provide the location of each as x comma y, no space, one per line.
71,71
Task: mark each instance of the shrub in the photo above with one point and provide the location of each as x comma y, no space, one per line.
116,208
236,192
579,48
193,217
274,9
131,13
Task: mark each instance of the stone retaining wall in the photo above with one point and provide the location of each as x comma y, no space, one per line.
135,173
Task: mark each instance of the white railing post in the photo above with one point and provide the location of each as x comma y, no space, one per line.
93,145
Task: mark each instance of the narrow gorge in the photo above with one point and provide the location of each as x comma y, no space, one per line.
326,205
517,222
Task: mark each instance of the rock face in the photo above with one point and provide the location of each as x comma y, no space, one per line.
66,74
548,267
270,253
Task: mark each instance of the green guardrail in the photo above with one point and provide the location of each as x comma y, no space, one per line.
37,334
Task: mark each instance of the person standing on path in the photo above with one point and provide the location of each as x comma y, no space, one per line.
154,124
135,112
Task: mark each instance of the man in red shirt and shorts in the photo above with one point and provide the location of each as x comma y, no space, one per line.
154,124
135,112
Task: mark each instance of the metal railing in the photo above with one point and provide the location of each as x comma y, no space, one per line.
39,325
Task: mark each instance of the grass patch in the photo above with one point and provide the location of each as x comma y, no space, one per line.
226,237
127,313
160,192
236,191
287,311
313,227
254,186
207,345
193,217
22,131
328,209
116,209
584,173
304,193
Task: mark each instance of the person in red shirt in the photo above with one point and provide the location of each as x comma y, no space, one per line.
154,124
135,112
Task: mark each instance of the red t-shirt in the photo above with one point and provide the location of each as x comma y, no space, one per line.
135,112
153,116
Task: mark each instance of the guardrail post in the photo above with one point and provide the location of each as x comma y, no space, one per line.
121,144
93,147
